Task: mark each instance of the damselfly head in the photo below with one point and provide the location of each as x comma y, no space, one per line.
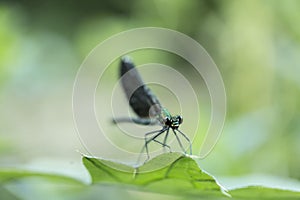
173,121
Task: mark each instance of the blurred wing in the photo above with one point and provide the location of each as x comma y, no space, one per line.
140,97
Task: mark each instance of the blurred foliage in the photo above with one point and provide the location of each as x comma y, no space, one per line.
255,44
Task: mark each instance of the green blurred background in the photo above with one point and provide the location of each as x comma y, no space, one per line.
255,44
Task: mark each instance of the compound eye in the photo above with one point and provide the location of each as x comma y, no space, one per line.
180,119
167,121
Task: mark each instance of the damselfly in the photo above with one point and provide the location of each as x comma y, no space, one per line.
148,108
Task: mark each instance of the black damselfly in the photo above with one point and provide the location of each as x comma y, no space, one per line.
148,108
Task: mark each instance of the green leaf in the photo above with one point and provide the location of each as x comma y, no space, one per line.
257,192
7,175
170,173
